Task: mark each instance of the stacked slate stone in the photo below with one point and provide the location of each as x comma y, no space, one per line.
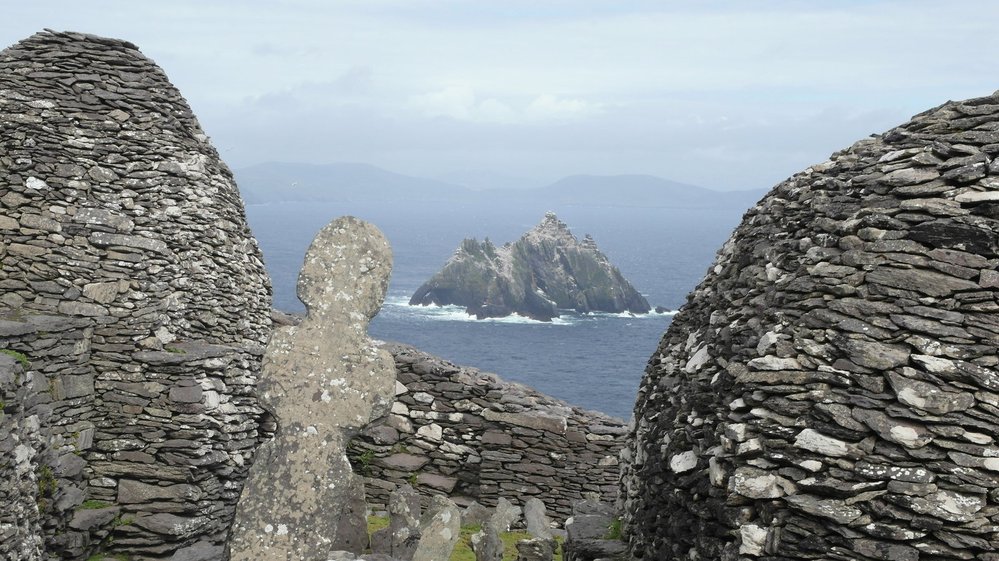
47,426
20,440
470,435
593,533
133,287
831,389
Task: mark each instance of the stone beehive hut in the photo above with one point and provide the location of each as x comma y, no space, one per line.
831,389
135,299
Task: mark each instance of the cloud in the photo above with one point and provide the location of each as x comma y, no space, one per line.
460,102
456,102
549,107
356,79
726,93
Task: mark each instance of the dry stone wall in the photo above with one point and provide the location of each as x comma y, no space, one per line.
831,389
47,425
132,285
472,436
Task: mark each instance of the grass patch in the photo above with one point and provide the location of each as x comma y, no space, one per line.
19,357
614,530
365,459
47,485
463,549
175,350
46,481
376,523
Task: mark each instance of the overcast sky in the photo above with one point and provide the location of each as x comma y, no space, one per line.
727,95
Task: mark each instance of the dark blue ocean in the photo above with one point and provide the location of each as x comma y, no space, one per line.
593,361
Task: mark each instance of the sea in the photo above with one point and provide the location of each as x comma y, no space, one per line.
595,361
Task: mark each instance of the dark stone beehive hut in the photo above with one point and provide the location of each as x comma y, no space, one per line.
136,301
831,389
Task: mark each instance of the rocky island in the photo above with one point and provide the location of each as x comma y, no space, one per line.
546,270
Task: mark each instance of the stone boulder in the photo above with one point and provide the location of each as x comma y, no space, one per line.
830,389
323,381
536,518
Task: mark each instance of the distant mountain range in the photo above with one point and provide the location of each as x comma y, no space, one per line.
348,182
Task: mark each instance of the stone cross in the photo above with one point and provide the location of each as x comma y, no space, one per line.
323,380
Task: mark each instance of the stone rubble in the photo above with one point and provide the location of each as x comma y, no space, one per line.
486,543
21,535
323,380
831,389
588,533
134,290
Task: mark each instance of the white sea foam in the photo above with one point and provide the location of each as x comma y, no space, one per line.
629,315
457,313
400,304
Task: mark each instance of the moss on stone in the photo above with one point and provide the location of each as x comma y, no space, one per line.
19,357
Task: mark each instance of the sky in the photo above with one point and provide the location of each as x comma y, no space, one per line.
723,94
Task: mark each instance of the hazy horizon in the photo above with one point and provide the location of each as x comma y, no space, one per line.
725,95
480,180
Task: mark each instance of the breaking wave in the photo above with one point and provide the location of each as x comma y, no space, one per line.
399,305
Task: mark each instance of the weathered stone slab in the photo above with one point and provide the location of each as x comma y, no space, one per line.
555,425
131,491
102,239
439,531
536,518
402,535
323,381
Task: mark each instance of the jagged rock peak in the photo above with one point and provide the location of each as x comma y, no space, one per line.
829,389
551,228
544,271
